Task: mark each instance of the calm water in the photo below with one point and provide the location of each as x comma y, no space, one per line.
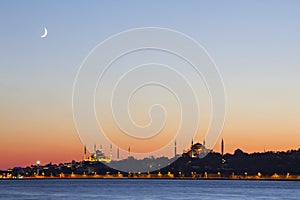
148,189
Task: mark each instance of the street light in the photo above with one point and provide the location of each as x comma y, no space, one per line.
38,167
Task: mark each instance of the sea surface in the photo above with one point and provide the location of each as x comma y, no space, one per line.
147,189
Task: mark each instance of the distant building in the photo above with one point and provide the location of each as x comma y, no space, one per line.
222,152
176,155
97,155
197,150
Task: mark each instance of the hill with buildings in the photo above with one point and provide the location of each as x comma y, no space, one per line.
195,162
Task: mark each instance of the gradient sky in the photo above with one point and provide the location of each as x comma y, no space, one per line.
255,45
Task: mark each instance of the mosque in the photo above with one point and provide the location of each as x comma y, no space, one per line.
97,155
196,150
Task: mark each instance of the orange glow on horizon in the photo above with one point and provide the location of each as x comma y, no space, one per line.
56,140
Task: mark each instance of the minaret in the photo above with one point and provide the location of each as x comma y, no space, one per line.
204,142
222,147
84,152
175,149
129,152
118,153
192,148
110,152
95,148
101,149
222,151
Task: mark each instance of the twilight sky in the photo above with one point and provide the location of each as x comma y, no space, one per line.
255,45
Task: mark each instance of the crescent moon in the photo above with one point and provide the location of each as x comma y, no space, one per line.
45,33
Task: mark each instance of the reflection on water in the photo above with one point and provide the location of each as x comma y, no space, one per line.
148,189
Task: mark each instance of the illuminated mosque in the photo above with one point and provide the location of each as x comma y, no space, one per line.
97,155
196,150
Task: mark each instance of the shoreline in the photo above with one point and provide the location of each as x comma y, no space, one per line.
155,178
